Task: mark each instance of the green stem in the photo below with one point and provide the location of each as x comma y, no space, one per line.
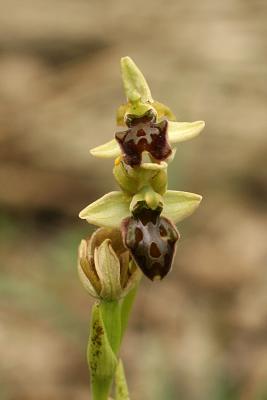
126,308
111,314
100,390
108,324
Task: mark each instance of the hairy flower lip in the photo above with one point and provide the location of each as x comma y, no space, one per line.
144,134
151,240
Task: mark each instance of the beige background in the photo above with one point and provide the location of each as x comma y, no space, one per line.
201,334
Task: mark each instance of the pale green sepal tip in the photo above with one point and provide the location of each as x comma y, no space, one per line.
108,211
108,269
182,131
179,205
135,85
110,149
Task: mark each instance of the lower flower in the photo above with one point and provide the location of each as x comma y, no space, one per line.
151,240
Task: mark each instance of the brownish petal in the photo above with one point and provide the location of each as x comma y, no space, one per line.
144,134
151,240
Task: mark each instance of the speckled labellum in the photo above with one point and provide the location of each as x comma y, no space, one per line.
151,240
144,134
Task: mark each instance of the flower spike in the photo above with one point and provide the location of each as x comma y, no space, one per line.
144,209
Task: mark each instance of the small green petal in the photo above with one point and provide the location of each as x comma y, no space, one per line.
179,205
127,182
163,111
149,196
135,85
108,270
154,166
108,211
181,131
110,149
138,108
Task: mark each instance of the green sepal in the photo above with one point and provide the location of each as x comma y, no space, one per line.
182,131
179,205
110,149
135,85
108,211
107,266
100,356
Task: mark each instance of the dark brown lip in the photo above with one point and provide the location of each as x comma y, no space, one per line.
144,134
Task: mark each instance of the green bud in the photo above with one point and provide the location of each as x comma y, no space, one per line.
105,267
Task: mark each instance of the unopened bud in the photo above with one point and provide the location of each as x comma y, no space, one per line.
105,266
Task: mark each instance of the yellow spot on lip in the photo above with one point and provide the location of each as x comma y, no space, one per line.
157,278
117,160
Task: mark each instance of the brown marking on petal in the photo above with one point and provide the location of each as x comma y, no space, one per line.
154,250
162,231
138,235
141,132
144,134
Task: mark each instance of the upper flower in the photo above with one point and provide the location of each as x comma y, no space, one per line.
144,209
140,102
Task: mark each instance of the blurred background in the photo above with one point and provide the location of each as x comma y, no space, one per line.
201,334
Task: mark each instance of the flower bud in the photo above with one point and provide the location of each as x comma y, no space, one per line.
105,266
